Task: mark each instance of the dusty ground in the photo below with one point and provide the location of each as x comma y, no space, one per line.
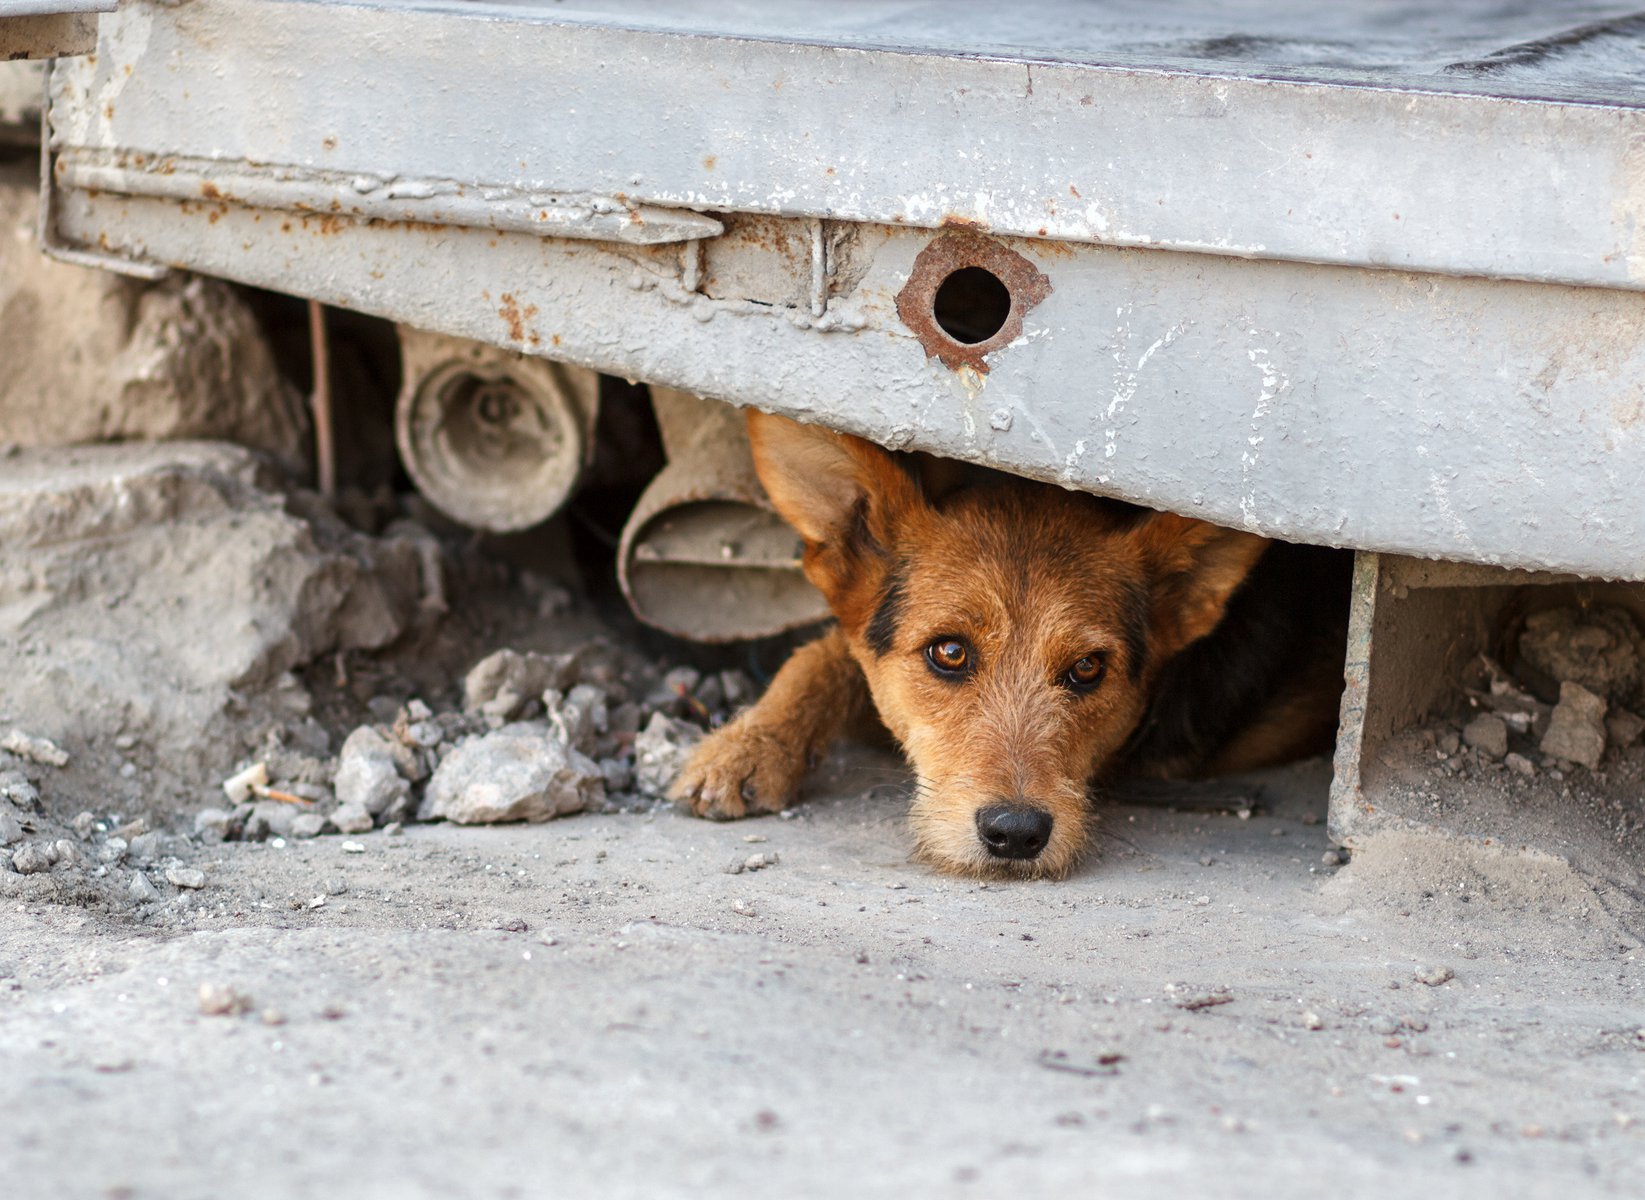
595,1007
1213,1006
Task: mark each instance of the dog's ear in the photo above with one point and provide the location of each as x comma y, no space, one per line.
843,495
1197,567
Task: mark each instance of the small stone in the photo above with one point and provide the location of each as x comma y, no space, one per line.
1333,858
65,852
272,1016
660,753
368,776
1313,1021
212,824
84,823
1520,765
142,889
1488,734
336,886
35,749
576,719
501,684
393,829
32,859
189,878
737,687
425,734
277,817
11,829
1577,730
16,788
148,846
353,848
1449,743
514,774
351,818
307,825
1623,727
219,1000
1434,976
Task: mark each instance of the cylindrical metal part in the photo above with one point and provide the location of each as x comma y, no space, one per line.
494,439
703,555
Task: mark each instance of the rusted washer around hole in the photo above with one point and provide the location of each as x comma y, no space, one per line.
943,258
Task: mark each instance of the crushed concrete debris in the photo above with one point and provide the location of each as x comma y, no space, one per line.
369,778
1488,734
189,878
502,684
142,889
33,858
1599,648
220,1000
752,862
128,360
519,773
36,749
16,789
94,541
1623,728
660,752
1577,731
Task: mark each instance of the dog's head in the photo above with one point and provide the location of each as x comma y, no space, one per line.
1009,634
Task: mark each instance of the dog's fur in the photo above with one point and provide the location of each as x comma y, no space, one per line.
1213,649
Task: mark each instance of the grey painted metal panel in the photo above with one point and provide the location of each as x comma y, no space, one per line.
1425,173
1483,421
45,8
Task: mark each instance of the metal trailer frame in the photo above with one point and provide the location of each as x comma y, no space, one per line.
49,28
1370,291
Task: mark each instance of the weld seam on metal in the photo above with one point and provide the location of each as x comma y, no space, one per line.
438,203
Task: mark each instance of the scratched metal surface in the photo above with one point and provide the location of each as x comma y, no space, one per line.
1321,294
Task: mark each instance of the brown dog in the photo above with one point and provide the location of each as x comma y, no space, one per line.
1020,641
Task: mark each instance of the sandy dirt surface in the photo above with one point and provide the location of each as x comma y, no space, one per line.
595,1006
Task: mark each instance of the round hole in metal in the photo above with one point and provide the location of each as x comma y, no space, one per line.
971,305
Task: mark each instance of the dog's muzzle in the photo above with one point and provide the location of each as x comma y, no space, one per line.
1018,831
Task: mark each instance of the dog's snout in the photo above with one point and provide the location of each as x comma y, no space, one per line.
1014,830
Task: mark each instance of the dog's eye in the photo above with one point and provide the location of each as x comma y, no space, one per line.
1086,673
948,656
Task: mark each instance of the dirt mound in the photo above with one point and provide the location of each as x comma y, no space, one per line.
154,600
91,355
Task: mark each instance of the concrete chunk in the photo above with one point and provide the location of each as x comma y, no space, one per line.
1488,734
518,773
1577,731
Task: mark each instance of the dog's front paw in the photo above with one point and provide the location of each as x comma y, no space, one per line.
738,771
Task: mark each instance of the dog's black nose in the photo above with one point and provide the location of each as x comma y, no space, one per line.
1014,830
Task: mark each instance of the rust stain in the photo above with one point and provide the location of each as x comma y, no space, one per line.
955,221
555,338
954,251
330,143
515,318
210,190
214,216
710,162
108,112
